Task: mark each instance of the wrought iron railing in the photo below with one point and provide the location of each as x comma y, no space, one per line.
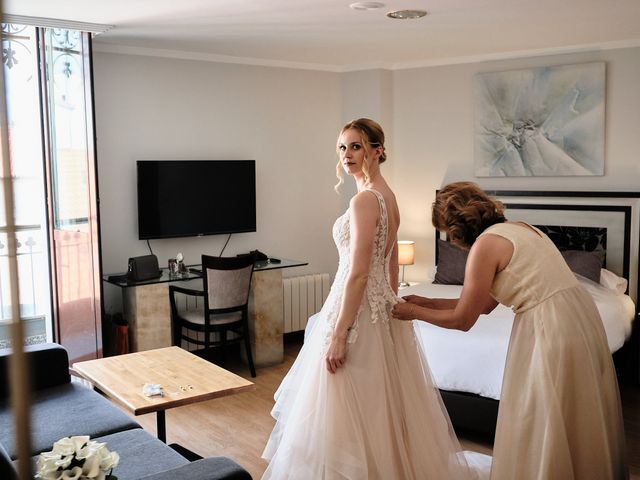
33,272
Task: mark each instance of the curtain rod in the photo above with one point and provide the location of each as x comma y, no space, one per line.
95,28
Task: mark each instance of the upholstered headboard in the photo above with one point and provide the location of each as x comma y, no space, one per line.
586,221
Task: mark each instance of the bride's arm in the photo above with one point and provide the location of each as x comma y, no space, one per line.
364,217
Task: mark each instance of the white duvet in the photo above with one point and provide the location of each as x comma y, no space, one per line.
474,361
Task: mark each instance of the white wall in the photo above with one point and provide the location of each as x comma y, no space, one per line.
287,120
369,94
433,137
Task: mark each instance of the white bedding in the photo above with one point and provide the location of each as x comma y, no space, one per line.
474,361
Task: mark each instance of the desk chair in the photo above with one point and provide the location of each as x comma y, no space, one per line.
227,281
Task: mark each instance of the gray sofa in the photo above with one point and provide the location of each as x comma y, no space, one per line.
61,408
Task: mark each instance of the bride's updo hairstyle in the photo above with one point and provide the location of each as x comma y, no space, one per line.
463,210
371,135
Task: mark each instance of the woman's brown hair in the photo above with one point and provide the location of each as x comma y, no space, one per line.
463,210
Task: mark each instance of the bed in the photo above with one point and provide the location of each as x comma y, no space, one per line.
598,235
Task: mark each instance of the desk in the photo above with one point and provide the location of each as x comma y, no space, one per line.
147,311
184,377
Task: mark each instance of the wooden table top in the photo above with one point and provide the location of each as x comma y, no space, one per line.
185,378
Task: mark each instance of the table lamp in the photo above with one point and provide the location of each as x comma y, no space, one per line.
406,251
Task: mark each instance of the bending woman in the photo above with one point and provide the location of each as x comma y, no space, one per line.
559,415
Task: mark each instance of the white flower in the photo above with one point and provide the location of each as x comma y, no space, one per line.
91,460
91,466
109,460
65,446
73,474
48,464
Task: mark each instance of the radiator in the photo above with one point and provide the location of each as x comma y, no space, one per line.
303,296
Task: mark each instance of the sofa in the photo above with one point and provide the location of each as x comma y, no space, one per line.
60,407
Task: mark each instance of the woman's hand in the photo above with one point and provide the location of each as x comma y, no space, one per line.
404,311
418,300
336,355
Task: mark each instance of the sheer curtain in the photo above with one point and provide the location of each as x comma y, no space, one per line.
19,392
22,192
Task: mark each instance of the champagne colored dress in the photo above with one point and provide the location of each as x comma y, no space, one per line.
380,416
559,415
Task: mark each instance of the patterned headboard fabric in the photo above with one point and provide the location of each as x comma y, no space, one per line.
597,220
576,238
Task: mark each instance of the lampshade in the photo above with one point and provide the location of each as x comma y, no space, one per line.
406,250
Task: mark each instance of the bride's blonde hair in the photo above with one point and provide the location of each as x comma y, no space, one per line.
372,135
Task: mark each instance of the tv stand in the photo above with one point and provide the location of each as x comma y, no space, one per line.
147,312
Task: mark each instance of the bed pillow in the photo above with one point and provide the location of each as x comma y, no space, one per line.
610,280
587,264
451,263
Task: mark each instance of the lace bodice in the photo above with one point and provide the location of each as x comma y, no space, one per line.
378,293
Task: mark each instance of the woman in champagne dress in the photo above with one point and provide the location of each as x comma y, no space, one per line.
359,401
559,415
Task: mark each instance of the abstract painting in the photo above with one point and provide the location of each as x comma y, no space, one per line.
540,122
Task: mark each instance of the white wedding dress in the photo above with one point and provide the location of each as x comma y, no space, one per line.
380,416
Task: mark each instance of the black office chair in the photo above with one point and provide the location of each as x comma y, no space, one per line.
227,281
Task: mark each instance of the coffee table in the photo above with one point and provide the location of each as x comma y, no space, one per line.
184,377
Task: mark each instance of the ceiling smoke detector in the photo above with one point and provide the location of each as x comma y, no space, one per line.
366,5
407,14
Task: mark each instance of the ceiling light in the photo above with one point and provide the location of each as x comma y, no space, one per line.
366,5
407,14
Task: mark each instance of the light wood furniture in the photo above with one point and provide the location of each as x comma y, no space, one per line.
204,427
184,377
148,314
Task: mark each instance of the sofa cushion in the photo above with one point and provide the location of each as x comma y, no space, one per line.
7,470
52,356
70,409
141,454
213,468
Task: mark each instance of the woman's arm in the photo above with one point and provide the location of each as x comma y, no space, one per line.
365,211
436,303
489,255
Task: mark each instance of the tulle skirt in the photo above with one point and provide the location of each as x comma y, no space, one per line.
378,417
560,414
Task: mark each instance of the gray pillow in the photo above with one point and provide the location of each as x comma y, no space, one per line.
587,264
451,263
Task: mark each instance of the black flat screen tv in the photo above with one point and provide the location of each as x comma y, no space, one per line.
185,198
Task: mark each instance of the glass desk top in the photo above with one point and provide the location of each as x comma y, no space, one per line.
194,272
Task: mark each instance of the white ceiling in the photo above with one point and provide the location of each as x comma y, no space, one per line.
328,35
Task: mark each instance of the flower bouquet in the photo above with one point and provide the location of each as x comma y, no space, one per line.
77,458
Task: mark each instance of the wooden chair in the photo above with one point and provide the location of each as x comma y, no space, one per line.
224,308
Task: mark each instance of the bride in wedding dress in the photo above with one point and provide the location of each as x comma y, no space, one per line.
359,402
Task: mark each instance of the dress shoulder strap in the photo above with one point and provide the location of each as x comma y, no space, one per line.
515,233
383,224
381,202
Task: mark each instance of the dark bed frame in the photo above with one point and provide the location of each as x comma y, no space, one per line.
476,414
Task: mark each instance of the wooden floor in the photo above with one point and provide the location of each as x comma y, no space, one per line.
238,426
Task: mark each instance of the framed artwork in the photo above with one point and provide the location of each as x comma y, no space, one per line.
540,122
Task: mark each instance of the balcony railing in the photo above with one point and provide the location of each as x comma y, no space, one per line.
33,279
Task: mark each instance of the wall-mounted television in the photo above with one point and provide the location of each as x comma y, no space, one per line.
184,198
